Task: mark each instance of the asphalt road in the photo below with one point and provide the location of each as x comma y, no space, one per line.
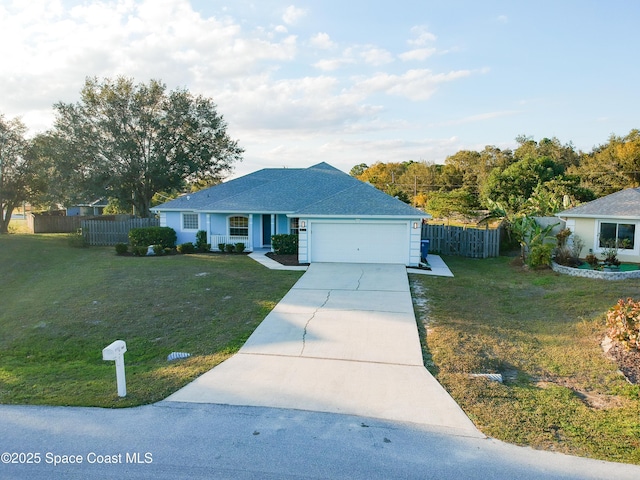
172,440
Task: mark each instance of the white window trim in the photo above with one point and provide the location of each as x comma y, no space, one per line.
229,224
182,222
295,230
621,251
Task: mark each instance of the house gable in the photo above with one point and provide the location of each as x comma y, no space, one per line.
622,204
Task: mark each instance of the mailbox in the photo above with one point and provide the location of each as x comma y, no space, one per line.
115,350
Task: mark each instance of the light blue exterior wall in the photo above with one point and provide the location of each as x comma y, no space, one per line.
282,224
174,220
218,224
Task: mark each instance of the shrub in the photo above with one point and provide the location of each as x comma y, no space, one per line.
221,247
158,249
565,256
201,241
121,248
285,244
577,245
623,323
239,247
229,247
139,251
187,247
540,255
592,260
145,236
562,236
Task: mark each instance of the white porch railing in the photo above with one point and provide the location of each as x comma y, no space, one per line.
232,239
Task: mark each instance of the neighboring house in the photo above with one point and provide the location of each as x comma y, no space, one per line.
337,217
615,216
87,209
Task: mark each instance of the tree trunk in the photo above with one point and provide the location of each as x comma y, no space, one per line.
5,217
142,208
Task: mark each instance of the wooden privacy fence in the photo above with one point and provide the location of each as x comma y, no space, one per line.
100,232
462,241
53,223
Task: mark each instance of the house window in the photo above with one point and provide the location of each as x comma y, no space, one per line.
190,221
294,226
624,233
239,226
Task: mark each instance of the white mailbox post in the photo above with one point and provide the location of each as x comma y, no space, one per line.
115,351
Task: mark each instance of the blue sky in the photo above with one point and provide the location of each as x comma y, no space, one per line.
345,82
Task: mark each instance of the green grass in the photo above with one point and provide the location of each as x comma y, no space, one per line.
18,225
542,331
61,306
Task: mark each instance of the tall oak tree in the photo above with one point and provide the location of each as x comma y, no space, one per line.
130,141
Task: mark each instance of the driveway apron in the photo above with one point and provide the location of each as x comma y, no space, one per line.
343,340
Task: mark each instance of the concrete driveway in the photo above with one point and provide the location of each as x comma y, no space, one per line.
343,340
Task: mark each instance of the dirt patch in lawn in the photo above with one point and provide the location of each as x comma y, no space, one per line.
599,401
628,360
288,260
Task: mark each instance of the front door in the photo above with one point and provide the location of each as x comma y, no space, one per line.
266,230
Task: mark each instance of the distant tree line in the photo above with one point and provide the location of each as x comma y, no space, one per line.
538,178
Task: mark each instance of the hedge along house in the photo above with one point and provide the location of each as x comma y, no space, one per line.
337,217
615,216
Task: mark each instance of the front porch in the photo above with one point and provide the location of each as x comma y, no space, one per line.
230,239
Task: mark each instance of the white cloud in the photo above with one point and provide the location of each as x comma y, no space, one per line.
421,36
306,103
281,115
331,64
417,54
376,56
292,14
414,84
322,41
51,51
367,54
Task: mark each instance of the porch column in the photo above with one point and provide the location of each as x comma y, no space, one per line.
208,223
250,233
273,224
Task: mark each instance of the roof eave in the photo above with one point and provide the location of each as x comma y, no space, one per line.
207,210
595,217
368,216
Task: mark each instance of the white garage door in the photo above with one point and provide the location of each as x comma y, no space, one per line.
362,242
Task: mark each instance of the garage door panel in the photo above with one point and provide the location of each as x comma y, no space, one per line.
360,242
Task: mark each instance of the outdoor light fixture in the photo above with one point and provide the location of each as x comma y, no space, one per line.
303,224
415,224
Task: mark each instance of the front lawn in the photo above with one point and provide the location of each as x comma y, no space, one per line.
62,305
542,331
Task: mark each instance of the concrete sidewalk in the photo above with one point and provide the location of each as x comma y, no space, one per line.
343,340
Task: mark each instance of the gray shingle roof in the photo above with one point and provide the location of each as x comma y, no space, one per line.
622,204
317,190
